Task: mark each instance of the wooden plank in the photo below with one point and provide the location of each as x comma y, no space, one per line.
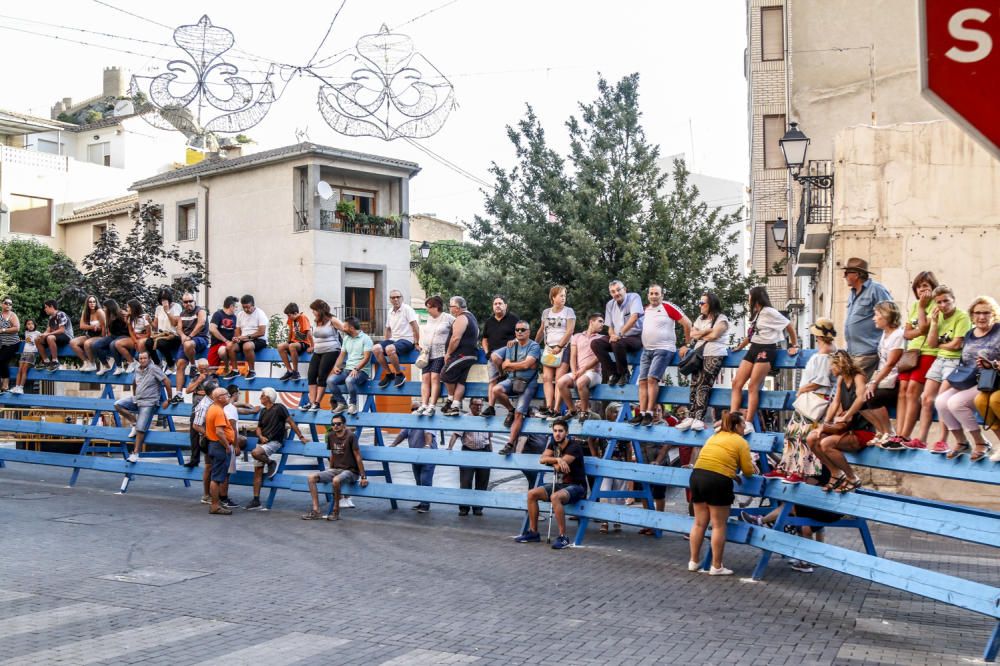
927,464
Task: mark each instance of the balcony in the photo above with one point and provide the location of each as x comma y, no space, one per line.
33,158
367,225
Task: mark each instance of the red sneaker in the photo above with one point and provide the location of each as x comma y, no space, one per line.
914,444
938,447
793,478
774,474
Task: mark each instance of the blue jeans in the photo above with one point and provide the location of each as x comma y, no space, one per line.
334,381
104,348
424,476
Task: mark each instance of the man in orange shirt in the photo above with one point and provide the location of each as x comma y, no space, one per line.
299,341
221,442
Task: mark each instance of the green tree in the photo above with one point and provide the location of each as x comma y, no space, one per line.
36,273
603,211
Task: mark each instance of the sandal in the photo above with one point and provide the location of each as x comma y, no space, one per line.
835,483
647,531
961,449
604,528
849,485
618,527
978,455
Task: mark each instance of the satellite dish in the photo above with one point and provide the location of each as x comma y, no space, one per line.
324,190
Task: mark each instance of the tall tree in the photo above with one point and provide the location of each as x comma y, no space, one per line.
604,211
37,273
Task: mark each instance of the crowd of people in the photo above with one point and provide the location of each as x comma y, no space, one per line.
938,356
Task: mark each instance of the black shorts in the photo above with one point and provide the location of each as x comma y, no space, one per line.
758,353
258,344
711,488
457,370
883,398
320,366
817,514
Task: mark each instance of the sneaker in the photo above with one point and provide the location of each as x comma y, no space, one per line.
698,425
508,420
693,566
250,376
752,518
488,410
100,371
793,478
747,430
312,515
451,410
119,370
221,511
294,375
170,372
386,378
206,499
477,512
430,410
774,474
685,424
338,407
647,419
177,399
555,416
346,503
285,377
938,447
88,367
623,380
915,444
17,390
229,503
993,458
560,542
528,537
799,565
637,419
892,444
132,367
131,433
721,571
232,374
272,469
254,505
134,458
352,409
400,381
423,508
52,366
309,407
613,379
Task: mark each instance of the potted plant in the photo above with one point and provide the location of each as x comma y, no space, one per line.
345,211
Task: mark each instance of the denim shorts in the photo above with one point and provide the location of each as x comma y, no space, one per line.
346,476
524,400
200,345
575,491
492,371
219,455
654,362
144,413
270,448
941,368
403,347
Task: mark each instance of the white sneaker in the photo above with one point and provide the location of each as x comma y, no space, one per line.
747,430
422,410
352,409
692,565
721,571
685,424
169,372
132,367
346,503
131,433
101,370
698,425
134,458
88,367
119,370
20,390
993,458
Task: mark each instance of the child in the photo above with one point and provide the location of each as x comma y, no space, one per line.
28,354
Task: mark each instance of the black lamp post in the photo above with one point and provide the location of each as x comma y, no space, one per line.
779,231
793,147
425,251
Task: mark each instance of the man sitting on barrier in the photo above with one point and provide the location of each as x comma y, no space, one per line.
521,366
346,467
402,336
250,337
193,329
139,409
57,334
584,372
568,487
350,367
271,423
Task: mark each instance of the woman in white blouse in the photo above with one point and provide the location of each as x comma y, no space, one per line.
435,333
882,391
767,328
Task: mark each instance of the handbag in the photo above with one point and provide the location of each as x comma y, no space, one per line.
963,377
693,361
424,359
518,385
989,380
909,361
551,360
811,406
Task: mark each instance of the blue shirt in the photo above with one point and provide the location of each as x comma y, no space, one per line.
416,438
616,315
859,327
354,350
517,353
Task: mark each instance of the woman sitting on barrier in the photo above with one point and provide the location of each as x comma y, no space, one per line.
956,401
165,341
91,328
918,357
881,392
722,457
103,347
325,350
139,330
435,335
798,462
766,327
708,329
843,428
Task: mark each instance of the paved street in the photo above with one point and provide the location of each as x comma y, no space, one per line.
91,577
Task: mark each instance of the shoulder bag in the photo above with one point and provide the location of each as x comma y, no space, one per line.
694,360
518,385
989,380
908,361
811,406
963,377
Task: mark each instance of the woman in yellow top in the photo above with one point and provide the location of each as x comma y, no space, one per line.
722,458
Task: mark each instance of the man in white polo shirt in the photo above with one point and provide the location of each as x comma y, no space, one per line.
659,342
402,335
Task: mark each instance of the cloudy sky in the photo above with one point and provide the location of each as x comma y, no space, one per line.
498,55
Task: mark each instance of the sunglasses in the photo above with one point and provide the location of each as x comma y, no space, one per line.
520,330
187,301
337,425
982,314
8,302
702,302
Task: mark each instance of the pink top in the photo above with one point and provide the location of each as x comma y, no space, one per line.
583,351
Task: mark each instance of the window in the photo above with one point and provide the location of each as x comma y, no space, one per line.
99,153
774,129
99,231
364,202
47,146
30,215
187,221
774,256
772,33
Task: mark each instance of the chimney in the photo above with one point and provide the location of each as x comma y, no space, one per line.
114,82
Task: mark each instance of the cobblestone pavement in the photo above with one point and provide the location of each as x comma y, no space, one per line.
90,577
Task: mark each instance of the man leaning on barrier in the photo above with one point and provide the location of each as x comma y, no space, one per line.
272,421
140,408
346,466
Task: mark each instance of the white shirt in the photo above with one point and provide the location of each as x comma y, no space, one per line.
555,324
248,323
163,324
769,327
232,414
717,347
817,372
659,327
435,334
886,344
398,323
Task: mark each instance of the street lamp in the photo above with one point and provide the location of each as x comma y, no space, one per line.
779,231
793,147
425,251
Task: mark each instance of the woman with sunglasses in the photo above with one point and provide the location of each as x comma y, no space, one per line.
708,329
9,340
91,328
